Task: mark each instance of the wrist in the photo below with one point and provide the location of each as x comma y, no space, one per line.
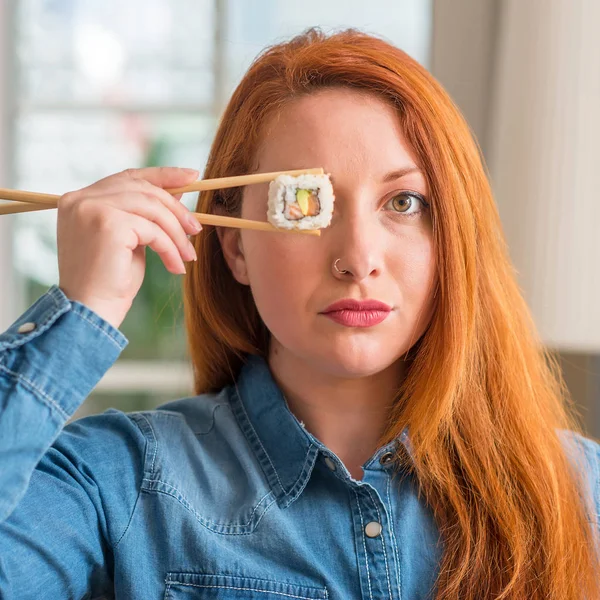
112,312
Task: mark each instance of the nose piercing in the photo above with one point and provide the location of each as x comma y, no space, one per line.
340,271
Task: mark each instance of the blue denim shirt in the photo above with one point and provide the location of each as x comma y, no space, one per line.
219,496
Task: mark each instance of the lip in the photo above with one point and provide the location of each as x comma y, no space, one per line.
357,313
360,305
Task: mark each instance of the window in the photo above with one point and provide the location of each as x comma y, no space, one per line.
101,85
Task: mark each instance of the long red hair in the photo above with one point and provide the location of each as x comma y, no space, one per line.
483,400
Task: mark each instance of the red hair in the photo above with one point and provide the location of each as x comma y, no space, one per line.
483,400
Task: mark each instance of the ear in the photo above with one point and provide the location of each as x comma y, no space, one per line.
231,243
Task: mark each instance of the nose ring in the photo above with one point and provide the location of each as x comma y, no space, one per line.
340,271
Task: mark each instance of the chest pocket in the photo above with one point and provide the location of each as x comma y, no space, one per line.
196,586
209,469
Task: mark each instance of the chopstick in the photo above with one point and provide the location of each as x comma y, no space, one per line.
33,201
198,186
204,218
11,208
238,223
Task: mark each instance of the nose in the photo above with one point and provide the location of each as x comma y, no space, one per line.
355,245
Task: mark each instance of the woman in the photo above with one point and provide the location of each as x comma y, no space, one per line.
375,416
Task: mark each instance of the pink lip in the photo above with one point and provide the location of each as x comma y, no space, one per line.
357,313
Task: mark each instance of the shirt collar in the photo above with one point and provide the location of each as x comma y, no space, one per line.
285,450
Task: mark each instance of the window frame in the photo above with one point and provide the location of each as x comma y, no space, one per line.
126,375
10,299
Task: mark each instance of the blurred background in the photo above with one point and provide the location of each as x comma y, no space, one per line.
91,87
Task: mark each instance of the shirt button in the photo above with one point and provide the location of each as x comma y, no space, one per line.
386,458
330,463
26,327
373,529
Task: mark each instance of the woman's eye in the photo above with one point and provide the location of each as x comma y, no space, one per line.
407,203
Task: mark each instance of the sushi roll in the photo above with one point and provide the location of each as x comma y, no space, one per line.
301,202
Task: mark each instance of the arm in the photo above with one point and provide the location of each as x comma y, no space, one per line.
45,375
59,515
66,500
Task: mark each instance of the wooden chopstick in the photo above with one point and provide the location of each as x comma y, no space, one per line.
23,201
197,186
220,221
11,208
203,218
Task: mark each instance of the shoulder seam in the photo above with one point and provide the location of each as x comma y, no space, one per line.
155,442
135,504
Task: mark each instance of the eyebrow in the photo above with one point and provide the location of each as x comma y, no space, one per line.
392,175
400,173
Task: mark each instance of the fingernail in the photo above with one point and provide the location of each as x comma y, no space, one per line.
190,170
194,223
191,251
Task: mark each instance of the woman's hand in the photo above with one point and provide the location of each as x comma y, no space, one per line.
103,231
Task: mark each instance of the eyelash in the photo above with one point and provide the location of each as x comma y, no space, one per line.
413,195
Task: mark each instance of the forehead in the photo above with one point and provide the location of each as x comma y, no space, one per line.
338,129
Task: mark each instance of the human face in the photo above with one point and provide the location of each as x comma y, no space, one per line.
381,234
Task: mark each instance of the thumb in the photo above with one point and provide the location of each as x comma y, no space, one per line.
164,177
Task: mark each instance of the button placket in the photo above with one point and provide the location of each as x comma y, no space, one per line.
375,551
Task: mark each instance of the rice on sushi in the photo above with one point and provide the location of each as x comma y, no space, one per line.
301,202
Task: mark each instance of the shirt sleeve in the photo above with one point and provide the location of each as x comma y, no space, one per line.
50,360
591,450
584,455
53,524
62,538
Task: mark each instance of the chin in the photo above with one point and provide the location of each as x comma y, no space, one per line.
346,357
349,370
352,363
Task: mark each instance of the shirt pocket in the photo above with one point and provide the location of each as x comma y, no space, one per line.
207,586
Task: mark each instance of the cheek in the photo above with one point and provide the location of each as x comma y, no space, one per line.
282,275
283,269
413,266
418,266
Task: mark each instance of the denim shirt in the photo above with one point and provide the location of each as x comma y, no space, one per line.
219,496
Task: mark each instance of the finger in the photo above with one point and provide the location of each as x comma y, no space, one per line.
183,214
164,177
187,220
152,208
147,233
